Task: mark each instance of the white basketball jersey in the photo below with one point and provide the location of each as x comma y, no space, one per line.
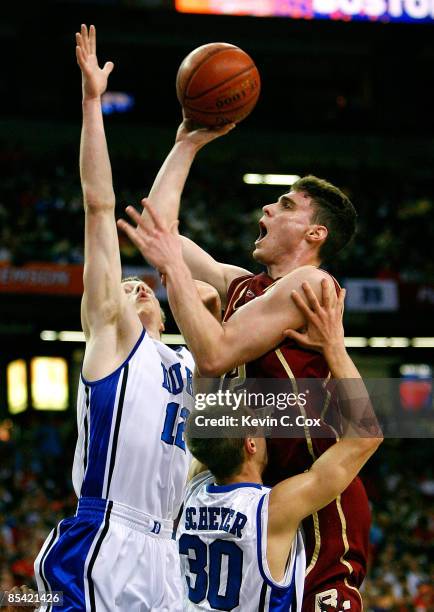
223,542
130,446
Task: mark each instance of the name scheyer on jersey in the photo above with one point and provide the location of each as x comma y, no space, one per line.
222,544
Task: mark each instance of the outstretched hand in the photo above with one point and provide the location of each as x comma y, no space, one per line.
324,329
159,244
198,135
94,78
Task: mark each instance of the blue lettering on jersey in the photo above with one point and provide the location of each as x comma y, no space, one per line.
189,522
172,378
165,378
189,381
230,521
203,523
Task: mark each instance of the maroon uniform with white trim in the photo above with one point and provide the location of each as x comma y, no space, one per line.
336,536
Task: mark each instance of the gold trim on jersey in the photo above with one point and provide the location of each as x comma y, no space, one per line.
315,518
344,535
353,588
328,396
228,307
270,286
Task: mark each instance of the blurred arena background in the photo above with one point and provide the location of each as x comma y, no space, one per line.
347,97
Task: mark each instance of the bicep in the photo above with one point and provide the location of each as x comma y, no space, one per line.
102,269
205,268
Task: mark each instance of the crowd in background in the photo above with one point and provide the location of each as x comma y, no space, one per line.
36,493
41,213
41,219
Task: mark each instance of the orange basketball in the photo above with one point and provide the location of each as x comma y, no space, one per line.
218,84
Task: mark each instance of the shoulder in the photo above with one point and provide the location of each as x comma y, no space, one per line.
294,280
196,483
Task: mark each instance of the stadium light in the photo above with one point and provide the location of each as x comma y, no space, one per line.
423,342
71,336
172,339
270,179
355,342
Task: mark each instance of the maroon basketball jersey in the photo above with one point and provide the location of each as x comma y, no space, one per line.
336,537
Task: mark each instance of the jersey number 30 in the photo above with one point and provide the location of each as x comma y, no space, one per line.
208,584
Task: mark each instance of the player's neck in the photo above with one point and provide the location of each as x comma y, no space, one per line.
249,473
152,325
291,263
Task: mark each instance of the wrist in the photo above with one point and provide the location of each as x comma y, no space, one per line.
187,146
89,100
176,269
335,353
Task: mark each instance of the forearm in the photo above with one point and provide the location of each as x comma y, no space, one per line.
165,194
95,170
340,363
204,335
359,419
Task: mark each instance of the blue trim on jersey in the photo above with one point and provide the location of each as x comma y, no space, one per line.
102,402
65,561
214,488
281,597
91,383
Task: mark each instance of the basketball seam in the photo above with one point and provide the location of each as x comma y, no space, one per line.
233,76
205,59
219,112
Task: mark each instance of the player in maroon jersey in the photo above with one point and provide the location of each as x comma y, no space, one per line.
312,221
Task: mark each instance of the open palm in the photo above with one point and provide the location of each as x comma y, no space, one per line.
94,78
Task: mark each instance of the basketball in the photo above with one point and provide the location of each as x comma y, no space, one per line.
217,84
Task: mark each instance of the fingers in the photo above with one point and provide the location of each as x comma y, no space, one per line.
108,67
154,215
294,335
134,215
325,286
85,38
312,300
130,231
92,40
341,299
81,60
221,131
300,303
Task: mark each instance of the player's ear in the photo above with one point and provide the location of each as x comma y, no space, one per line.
250,446
316,233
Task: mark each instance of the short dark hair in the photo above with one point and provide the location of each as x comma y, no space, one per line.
224,456
333,209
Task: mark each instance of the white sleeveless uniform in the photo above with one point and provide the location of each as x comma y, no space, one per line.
129,473
222,544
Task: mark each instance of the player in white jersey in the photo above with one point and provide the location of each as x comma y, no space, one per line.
131,463
240,543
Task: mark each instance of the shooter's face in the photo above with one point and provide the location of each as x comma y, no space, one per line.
283,227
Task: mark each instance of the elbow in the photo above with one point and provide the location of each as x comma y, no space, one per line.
210,367
371,444
96,202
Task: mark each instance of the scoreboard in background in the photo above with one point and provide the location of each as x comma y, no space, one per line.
414,11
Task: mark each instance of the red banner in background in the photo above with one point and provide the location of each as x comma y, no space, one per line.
42,278
62,279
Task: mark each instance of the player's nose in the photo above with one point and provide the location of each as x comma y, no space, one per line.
267,209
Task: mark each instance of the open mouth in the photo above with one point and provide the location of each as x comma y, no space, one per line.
262,232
